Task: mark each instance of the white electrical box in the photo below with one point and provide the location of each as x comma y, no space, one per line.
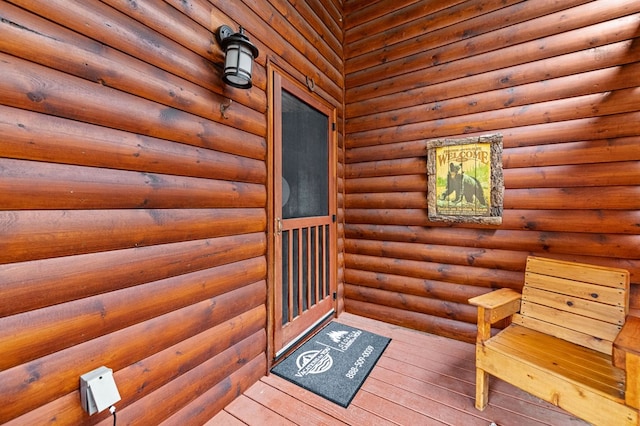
98,390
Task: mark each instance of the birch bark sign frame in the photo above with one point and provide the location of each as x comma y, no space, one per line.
465,180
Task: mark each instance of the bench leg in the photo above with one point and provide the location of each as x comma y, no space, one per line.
482,389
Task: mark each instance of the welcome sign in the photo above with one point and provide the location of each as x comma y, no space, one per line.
334,363
465,180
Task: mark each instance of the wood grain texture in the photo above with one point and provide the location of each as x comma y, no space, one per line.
560,346
146,383
40,283
420,379
34,87
52,377
120,173
41,137
133,213
557,80
40,234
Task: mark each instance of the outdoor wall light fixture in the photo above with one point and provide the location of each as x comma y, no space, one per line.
239,54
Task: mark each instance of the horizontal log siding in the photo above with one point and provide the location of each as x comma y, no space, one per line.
133,215
559,80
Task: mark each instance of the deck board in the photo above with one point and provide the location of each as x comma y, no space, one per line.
420,379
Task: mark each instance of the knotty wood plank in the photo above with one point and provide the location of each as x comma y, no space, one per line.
396,26
95,20
589,308
152,387
42,380
417,320
74,98
583,152
179,396
403,334
578,129
595,221
619,248
557,318
585,83
471,124
612,55
415,286
92,60
361,11
91,188
417,182
599,174
39,234
307,60
584,221
534,341
427,305
60,326
335,9
594,274
36,284
327,19
214,399
424,66
460,274
29,135
398,200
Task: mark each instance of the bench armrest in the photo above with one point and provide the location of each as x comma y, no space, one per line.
626,355
494,306
628,340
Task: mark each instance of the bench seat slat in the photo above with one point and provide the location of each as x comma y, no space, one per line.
583,364
577,374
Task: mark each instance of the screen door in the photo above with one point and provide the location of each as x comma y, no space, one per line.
304,212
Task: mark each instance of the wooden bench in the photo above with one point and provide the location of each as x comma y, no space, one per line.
570,341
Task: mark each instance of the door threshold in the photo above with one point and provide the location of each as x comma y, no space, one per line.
303,336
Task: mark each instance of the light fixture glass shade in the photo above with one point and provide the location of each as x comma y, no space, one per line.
238,64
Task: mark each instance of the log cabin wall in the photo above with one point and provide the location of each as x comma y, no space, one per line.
558,79
133,214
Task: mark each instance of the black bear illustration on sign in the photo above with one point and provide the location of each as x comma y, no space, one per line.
461,184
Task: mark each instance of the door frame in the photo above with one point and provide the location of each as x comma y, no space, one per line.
302,92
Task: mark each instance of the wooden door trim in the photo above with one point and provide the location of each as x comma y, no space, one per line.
279,79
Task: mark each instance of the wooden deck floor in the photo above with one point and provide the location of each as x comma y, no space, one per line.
421,379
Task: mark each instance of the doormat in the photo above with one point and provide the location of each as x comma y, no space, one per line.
334,363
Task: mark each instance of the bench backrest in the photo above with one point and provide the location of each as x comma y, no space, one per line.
580,303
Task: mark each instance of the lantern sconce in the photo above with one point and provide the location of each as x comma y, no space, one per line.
239,54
